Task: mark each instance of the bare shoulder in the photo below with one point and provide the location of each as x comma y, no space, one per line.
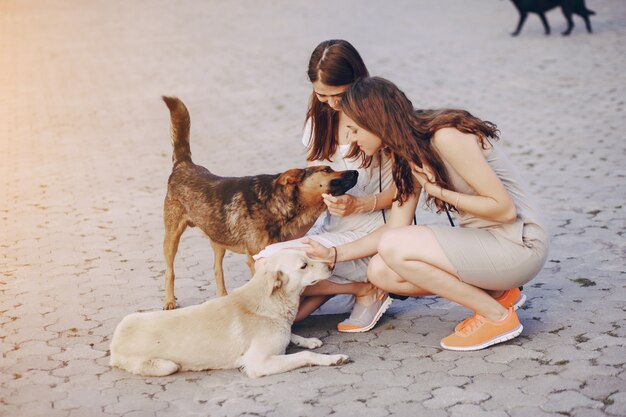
449,140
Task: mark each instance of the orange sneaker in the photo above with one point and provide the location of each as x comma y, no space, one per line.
478,332
510,298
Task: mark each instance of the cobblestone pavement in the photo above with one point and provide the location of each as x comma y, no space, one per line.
85,156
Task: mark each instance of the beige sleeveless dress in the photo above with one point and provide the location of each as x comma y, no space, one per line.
492,255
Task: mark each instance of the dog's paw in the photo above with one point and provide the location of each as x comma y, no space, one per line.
311,343
306,342
169,305
339,359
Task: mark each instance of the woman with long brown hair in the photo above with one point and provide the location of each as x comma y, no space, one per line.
333,66
451,156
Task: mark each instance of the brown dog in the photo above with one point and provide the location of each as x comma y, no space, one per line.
240,214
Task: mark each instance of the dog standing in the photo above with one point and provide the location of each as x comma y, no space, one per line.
540,7
249,328
240,214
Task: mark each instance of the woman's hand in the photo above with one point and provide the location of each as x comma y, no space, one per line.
318,251
343,205
426,178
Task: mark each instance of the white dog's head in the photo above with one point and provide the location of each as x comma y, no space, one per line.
292,271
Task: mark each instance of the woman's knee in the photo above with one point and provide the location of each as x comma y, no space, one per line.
397,245
378,273
388,245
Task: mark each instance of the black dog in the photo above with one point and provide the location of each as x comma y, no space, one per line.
569,7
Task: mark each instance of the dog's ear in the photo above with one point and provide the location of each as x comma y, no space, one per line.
293,176
277,281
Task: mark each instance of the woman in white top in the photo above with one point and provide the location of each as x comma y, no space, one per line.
333,66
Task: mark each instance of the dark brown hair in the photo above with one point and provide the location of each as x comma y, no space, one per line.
333,62
378,106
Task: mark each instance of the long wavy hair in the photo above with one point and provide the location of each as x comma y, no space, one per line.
334,62
377,105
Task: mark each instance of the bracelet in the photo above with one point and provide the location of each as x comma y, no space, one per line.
335,257
456,204
375,203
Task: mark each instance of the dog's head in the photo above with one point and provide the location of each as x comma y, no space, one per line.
292,271
314,181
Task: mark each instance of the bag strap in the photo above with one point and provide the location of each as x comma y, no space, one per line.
449,217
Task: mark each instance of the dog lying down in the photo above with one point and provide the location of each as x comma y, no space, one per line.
249,328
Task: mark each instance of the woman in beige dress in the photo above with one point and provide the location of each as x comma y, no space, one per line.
452,157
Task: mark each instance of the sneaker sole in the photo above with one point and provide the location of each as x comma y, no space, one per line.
377,317
498,339
520,302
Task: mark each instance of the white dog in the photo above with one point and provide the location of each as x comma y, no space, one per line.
249,328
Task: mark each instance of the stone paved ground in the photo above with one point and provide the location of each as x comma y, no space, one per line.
85,156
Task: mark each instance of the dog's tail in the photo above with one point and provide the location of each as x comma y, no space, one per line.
180,122
590,12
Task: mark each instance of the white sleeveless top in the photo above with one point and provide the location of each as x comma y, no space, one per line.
367,184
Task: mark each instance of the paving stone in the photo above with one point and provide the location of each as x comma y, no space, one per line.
36,407
448,396
87,157
546,384
617,404
33,347
529,411
470,410
601,387
476,366
566,401
613,355
508,353
587,412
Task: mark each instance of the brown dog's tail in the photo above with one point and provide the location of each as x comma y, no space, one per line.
180,122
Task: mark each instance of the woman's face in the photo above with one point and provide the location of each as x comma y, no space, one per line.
329,94
366,140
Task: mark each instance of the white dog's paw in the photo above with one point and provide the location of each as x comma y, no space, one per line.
306,342
339,359
311,343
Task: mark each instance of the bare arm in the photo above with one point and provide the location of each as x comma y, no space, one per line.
346,205
464,154
367,245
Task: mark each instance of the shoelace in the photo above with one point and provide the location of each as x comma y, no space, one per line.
471,324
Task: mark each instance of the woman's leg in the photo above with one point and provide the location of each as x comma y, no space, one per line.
361,290
309,304
316,295
383,277
418,262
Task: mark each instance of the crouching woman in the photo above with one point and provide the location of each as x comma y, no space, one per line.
451,156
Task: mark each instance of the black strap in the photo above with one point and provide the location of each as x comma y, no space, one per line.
449,217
